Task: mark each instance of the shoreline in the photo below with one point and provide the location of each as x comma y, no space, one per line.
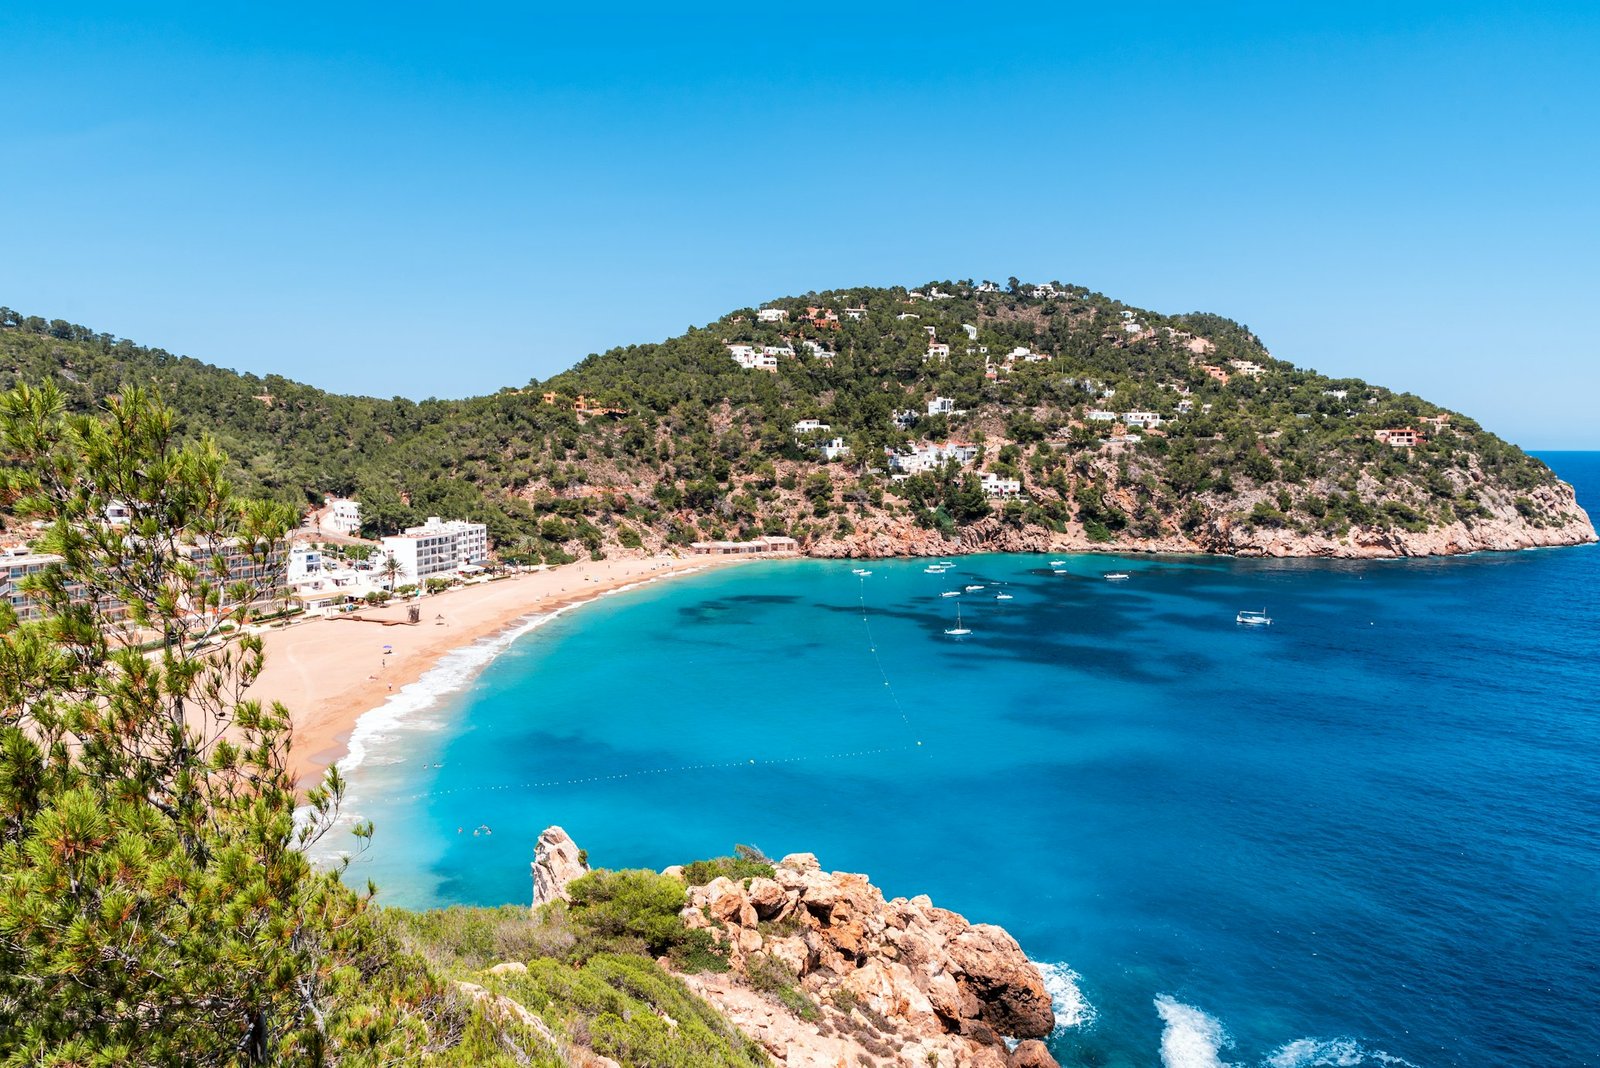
323,670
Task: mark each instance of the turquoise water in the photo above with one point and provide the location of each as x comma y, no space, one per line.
1363,835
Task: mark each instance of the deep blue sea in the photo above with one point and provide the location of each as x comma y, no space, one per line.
1367,834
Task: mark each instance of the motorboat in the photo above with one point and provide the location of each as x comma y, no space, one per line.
1253,619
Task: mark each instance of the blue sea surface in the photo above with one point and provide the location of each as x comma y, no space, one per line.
1367,834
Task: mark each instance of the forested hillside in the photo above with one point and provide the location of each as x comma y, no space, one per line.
671,442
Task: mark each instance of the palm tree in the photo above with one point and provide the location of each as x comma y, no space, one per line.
391,568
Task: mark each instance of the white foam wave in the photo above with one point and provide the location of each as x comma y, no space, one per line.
403,711
1072,1009
452,673
1191,1038
1331,1053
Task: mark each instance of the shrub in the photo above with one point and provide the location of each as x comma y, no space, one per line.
627,909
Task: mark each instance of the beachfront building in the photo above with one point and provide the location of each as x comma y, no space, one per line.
438,547
305,561
760,546
17,565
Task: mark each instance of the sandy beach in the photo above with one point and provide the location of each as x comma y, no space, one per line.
328,672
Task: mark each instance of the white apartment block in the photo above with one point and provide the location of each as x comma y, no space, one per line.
437,548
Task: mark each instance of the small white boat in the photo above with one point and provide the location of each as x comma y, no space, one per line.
951,593
933,570
1115,576
974,587
1253,619
863,572
1002,597
1060,570
958,630
946,563
1058,563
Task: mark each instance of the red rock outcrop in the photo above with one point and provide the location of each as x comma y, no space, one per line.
896,982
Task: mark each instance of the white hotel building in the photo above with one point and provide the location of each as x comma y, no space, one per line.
437,548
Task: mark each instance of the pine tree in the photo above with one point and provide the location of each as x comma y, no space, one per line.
156,905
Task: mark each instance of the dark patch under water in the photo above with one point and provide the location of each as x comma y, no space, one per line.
1371,830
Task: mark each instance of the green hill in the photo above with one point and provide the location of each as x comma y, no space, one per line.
1282,460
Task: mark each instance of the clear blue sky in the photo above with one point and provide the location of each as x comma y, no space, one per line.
444,199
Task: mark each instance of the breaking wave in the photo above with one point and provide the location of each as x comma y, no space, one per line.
1331,1053
1072,1009
1191,1038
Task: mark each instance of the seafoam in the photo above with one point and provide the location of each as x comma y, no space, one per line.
405,710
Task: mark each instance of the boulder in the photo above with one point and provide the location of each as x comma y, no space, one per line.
510,967
1031,1054
557,861
768,898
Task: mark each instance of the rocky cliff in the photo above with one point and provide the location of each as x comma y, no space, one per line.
826,973
1545,517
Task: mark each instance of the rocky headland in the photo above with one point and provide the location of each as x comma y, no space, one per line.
1502,527
826,973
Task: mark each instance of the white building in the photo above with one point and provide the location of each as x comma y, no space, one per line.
944,406
1336,394
856,314
938,350
995,486
834,449
341,515
808,426
972,331
118,514
1141,419
305,561
906,418
747,357
932,457
1247,368
772,315
437,548
988,287
1099,415
818,350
